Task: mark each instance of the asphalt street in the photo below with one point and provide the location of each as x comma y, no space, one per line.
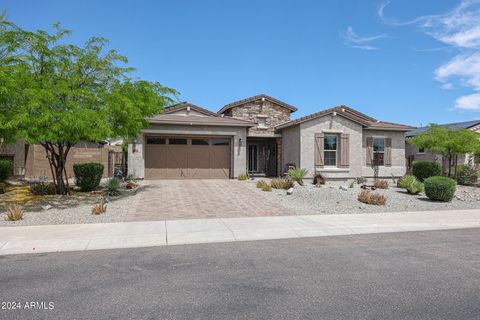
413,275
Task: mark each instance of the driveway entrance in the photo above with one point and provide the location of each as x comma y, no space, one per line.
197,199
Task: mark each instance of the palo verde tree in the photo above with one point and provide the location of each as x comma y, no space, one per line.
448,142
57,94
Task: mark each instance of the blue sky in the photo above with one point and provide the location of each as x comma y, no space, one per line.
413,62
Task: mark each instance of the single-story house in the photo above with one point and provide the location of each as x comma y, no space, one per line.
258,136
413,153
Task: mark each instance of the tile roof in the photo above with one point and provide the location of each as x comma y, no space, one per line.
254,98
455,125
352,114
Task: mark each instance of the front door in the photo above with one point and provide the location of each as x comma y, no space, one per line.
252,158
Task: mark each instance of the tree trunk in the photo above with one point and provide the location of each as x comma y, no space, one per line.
450,166
456,165
57,156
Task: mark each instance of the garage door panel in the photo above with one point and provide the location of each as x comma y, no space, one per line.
156,162
220,162
177,162
198,162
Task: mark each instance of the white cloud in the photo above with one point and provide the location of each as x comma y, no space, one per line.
460,30
355,41
470,102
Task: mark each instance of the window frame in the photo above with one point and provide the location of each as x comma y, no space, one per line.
378,152
149,140
179,139
330,151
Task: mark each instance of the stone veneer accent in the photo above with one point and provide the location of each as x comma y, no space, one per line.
250,111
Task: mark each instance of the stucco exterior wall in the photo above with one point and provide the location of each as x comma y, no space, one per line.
136,151
273,114
334,125
398,167
290,146
16,150
37,166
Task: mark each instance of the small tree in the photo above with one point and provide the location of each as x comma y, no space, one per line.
56,94
447,142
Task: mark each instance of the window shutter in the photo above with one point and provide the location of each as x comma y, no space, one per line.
388,152
319,149
369,151
344,150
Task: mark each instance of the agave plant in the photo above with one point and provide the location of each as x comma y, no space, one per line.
412,185
297,174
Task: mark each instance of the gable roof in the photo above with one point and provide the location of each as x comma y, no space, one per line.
455,125
254,98
184,105
351,114
169,116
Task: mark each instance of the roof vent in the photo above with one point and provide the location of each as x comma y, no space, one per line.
188,110
334,113
343,109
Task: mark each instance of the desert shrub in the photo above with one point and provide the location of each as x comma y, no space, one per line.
405,181
425,169
466,175
267,188
131,185
243,177
281,183
411,183
361,180
14,213
297,174
372,198
99,208
88,175
5,169
415,187
42,188
261,184
381,184
318,179
113,186
440,188
130,178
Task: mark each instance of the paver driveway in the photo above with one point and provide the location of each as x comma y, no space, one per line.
191,199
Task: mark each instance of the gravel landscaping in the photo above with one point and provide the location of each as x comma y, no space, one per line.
73,209
305,200
330,199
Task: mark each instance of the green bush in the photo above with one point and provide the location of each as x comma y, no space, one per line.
440,188
88,175
466,175
5,169
42,188
425,169
267,187
261,183
243,177
113,186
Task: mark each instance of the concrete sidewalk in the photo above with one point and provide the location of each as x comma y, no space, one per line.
54,238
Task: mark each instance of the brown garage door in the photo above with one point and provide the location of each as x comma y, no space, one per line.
187,158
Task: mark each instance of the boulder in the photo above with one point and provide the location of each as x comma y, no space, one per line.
290,191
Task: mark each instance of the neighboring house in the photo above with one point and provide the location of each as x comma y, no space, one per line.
257,135
413,153
30,161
